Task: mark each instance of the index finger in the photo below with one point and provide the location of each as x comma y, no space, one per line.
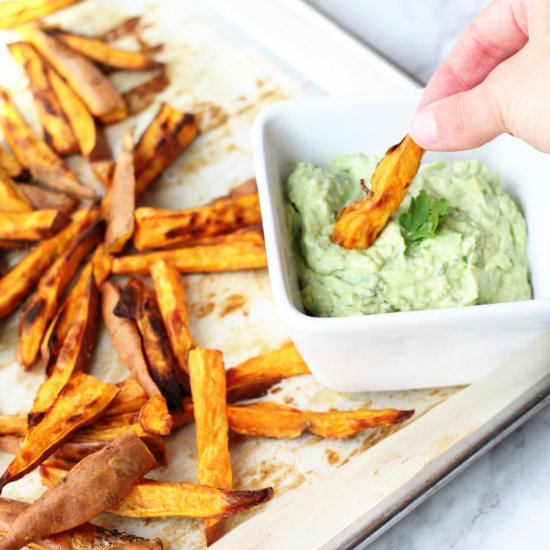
496,34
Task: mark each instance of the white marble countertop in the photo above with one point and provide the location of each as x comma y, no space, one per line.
502,501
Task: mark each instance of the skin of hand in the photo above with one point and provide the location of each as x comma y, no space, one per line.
496,80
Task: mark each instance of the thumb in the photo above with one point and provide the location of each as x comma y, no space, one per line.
462,121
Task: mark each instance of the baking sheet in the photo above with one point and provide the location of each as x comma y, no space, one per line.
226,77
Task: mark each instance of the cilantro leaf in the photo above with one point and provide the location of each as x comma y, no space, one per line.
423,216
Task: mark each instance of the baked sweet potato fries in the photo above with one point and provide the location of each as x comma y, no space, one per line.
359,223
94,441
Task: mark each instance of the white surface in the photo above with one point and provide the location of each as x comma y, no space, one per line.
337,63
345,353
502,501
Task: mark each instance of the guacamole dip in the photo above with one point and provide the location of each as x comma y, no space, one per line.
477,256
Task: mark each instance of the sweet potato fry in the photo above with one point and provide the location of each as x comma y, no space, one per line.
138,302
57,131
96,483
12,198
221,217
41,308
266,419
130,399
235,252
105,54
20,280
149,498
42,162
11,166
91,138
255,376
47,199
61,323
91,439
125,339
31,226
84,537
13,425
173,307
101,261
82,75
17,12
207,375
80,402
155,418
168,135
75,451
121,206
75,351
359,223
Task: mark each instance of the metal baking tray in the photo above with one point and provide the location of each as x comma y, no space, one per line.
226,61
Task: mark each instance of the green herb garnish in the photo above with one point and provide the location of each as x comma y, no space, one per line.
423,216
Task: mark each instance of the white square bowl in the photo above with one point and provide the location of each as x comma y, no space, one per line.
403,350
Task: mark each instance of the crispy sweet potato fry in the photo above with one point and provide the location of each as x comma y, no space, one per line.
138,302
266,419
91,439
151,498
107,429
11,166
221,217
12,198
102,261
75,451
125,339
47,199
19,281
75,351
130,399
42,306
255,376
31,226
13,425
81,401
83,76
57,131
168,135
17,12
235,252
173,307
61,323
155,418
102,52
42,162
359,223
91,138
96,483
207,375
120,225
84,537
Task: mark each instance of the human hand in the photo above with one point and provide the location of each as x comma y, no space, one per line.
496,80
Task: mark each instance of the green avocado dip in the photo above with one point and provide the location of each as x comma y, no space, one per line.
476,256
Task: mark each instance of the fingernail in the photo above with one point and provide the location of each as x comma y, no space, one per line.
423,127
